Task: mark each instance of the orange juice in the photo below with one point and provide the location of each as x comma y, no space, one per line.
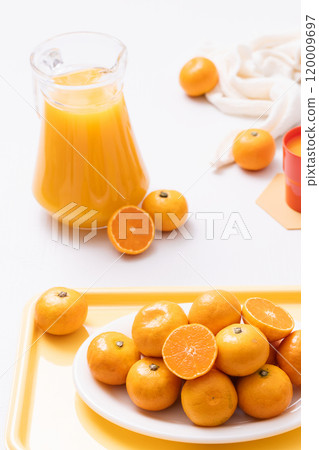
294,145
291,144
87,153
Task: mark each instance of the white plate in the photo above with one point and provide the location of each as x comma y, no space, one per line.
113,403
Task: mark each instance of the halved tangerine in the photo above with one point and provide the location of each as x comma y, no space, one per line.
190,351
131,230
272,320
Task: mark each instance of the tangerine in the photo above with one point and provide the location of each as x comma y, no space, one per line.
266,393
167,208
209,400
198,76
153,323
151,386
289,356
242,349
60,311
254,149
110,356
190,351
215,309
272,320
131,230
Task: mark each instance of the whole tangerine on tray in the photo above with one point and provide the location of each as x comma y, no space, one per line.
216,309
266,393
151,386
271,319
209,400
153,323
131,230
190,351
168,209
198,76
242,349
110,356
254,149
60,311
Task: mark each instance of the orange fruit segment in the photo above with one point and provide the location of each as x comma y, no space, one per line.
272,320
131,230
190,351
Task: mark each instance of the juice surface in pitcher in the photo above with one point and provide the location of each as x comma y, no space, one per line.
87,152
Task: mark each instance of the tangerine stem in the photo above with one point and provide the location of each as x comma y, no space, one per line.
62,294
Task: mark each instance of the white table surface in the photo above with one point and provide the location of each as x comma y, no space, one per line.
176,136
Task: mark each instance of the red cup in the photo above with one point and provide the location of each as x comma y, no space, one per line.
292,170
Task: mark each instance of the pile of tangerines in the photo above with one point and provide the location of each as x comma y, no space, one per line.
219,357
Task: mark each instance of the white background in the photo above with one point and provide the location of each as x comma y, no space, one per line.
176,136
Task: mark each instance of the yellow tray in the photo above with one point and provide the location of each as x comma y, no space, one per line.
47,414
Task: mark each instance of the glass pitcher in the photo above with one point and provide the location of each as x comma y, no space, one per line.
87,155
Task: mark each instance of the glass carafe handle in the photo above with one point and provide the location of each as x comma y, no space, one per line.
51,59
